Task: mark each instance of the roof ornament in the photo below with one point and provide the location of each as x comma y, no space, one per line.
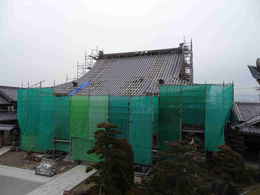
258,64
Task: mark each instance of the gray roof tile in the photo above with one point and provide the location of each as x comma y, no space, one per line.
131,73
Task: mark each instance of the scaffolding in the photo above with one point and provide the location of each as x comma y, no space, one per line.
89,60
187,54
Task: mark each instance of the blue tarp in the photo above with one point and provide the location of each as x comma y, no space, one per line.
77,90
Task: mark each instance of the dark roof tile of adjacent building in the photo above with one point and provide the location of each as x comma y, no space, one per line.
9,93
246,110
3,101
7,116
7,127
255,73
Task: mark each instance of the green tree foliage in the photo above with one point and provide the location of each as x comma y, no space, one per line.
183,169
115,170
180,170
228,165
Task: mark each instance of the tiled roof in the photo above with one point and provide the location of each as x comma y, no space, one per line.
255,73
246,111
255,120
7,116
3,101
7,127
132,74
9,93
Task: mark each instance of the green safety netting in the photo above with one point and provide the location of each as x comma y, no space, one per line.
35,117
80,147
119,114
85,114
62,123
42,118
79,116
21,116
218,111
98,113
203,106
141,127
155,104
169,123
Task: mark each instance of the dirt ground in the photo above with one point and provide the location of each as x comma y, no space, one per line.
19,159
82,188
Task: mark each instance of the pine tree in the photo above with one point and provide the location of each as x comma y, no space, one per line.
115,170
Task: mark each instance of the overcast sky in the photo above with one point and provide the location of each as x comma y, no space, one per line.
43,39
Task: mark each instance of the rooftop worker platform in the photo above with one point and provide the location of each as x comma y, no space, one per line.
135,73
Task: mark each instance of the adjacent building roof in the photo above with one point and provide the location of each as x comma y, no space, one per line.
248,116
255,120
3,101
255,72
7,116
245,111
9,94
7,127
132,73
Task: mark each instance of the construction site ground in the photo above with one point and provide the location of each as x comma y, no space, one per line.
17,168
19,159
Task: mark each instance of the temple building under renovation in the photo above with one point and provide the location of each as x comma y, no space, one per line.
149,95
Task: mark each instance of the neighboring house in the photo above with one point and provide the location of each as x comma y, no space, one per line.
8,119
247,117
245,137
134,73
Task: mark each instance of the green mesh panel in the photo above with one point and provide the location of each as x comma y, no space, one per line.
46,123
218,110
79,116
192,102
35,117
98,113
205,106
119,114
155,104
21,116
86,112
80,147
169,123
62,123
141,128
79,127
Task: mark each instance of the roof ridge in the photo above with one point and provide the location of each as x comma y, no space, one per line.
177,50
